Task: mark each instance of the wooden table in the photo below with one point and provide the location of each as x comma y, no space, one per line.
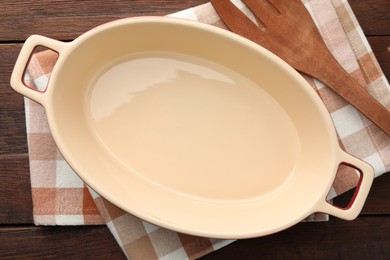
366,237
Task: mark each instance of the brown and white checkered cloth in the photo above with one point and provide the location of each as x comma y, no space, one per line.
61,198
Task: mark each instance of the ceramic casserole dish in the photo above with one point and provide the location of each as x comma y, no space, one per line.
192,127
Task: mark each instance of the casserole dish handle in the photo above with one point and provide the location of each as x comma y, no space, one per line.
17,82
355,206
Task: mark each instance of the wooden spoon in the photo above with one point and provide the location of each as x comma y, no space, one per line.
289,32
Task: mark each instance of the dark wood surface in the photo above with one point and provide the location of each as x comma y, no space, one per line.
367,237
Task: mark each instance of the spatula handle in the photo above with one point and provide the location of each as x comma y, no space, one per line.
354,93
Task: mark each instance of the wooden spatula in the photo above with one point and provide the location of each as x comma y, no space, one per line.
288,31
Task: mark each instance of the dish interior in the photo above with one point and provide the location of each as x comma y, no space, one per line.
192,126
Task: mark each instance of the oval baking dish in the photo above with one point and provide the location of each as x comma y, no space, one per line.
192,127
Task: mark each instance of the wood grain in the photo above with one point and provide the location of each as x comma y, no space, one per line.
367,237
75,17
15,190
12,121
78,17
373,16
381,48
83,242
331,240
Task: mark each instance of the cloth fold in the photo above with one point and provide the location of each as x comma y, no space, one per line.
60,197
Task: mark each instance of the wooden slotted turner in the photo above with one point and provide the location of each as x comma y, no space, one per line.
287,29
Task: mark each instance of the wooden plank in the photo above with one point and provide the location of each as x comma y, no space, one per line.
381,48
64,19
15,190
373,16
76,17
364,238
81,242
12,120
336,239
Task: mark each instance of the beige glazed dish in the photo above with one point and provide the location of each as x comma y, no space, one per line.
191,127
